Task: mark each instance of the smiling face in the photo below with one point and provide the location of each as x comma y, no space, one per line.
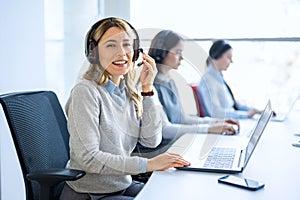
116,52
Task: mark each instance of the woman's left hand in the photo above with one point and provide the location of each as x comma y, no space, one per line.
148,72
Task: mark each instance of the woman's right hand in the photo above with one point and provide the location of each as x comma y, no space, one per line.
252,112
221,128
165,161
148,71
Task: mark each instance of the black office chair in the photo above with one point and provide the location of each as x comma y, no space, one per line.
38,128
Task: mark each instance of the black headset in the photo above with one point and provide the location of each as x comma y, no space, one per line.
91,45
160,51
218,48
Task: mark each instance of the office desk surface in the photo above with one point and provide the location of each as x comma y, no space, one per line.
274,162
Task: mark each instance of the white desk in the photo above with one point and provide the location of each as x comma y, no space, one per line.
274,161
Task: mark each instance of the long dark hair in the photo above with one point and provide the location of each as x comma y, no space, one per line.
162,43
218,48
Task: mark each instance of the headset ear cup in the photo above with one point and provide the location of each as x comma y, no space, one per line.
93,52
136,52
163,54
160,52
160,55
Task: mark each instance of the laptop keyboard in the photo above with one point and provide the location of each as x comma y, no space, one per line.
220,157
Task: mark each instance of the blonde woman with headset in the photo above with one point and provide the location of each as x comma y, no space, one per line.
107,117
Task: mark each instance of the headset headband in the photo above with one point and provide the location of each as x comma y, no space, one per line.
218,48
91,50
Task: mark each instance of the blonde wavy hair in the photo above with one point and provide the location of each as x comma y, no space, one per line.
99,74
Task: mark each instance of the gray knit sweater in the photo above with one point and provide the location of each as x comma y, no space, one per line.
102,136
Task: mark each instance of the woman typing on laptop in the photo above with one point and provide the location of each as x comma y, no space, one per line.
220,102
166,49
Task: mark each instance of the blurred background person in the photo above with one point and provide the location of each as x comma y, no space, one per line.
216,96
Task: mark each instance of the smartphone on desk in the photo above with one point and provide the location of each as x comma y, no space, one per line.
241,182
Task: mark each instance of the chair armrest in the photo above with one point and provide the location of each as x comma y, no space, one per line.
48,179
56,175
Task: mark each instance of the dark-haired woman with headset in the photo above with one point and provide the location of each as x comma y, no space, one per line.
107,117
215,94
166,48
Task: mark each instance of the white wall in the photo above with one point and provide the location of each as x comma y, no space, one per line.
21,68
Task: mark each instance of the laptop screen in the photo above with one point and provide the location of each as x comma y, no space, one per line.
261,124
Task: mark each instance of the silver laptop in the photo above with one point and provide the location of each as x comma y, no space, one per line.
282,114
222,157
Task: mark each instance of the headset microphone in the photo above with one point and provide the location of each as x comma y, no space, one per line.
140,51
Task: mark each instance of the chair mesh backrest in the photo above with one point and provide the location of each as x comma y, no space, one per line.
39,131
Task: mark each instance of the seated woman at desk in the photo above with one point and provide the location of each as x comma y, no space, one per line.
216,97
166,49
107,117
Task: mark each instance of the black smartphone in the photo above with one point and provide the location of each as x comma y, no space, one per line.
241,182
